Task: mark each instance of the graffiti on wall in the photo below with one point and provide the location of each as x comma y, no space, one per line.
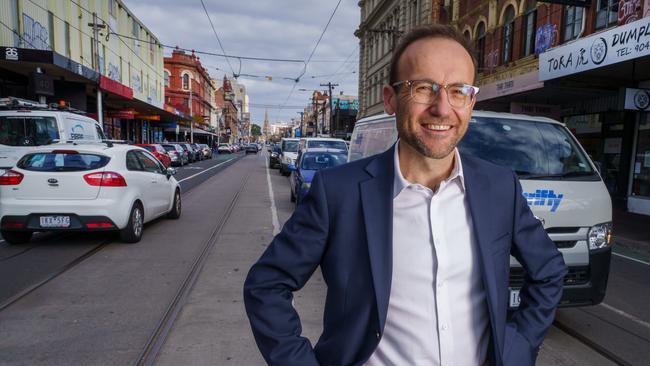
628,11
546,37
35,35
114,72
492,59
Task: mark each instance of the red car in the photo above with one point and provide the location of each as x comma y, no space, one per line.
159,152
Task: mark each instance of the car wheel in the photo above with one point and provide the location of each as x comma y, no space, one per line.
293,196
132,233
16,237
175,212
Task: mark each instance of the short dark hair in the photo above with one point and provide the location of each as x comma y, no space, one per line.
429,31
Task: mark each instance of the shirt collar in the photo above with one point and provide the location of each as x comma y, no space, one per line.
399,182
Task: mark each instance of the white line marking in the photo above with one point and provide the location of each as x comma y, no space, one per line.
205,171
632,259
274,211
626,315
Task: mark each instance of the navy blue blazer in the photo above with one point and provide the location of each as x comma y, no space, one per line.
345,225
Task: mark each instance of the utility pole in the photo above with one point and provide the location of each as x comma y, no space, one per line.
330,86
191,116
96,26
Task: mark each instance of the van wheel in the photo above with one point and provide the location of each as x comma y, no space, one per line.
16,237
132,233
175,212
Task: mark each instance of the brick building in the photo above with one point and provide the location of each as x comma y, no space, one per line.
228,121
184,72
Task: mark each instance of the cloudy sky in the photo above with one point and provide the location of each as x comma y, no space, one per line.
280,29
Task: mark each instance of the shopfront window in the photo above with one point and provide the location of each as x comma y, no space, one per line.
606,13
572,21
641,182
508,31
530,19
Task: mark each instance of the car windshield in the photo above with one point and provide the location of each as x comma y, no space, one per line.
27,130
535,150
62,162
169,147
327,144
317,161
290,146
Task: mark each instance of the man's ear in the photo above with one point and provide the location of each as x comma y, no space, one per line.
390,99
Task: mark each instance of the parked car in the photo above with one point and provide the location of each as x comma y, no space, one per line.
224,149
310,162
177,154
25,125
198,151
206,150
251,149
86,187
159,152
191,157
288,154
274,157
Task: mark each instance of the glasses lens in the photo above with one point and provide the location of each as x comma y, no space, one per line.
460,95
423,91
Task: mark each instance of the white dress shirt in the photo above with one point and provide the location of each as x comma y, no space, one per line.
437,311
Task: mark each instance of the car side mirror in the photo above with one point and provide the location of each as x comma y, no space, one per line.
292,168
169,172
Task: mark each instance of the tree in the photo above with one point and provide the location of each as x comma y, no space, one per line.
256,130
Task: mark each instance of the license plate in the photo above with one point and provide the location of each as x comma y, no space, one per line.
55,221
514,298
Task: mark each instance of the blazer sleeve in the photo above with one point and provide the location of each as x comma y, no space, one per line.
542,289
285,267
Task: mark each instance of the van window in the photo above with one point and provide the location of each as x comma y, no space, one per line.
27,130
62,162
372,138
100,133
328,144
535,150
289,146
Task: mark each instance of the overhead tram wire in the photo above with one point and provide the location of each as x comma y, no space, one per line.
219,40
312,53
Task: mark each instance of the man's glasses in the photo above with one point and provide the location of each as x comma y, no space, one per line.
426,92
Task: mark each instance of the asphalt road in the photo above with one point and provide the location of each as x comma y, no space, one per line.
104,309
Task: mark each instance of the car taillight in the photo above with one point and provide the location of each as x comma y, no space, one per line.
11,178
99,225
105,179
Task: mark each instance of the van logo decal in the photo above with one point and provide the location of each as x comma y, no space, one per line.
77,132
544,197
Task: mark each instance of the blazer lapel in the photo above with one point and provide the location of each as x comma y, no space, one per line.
377,204
477,190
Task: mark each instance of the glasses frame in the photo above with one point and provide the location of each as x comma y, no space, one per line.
410,83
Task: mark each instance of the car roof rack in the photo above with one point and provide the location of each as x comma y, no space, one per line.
9,103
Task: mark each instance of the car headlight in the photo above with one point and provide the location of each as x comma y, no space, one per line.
600,236
275,155
306,185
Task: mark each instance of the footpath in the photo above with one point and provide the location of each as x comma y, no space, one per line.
632,231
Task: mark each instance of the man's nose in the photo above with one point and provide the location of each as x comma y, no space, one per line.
440,106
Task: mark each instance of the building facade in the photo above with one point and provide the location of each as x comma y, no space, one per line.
118,70
189,88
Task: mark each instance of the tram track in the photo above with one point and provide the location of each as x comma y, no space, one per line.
158,337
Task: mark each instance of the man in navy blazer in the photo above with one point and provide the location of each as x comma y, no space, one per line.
355,225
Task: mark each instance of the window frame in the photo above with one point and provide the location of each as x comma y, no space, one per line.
528,39
508,34
609,9
576,22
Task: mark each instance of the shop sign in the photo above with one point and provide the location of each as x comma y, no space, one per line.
619,44
637,99
115,87
122,114
613,145
147,117
25,54
510,85
167,125
546,110
629,11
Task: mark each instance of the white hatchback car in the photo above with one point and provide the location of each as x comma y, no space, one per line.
86,187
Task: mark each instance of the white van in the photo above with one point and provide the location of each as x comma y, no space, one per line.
323,142
24,125
288,154
561,184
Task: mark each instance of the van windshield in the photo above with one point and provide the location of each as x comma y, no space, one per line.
535,150
290,146
328,144
27,130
